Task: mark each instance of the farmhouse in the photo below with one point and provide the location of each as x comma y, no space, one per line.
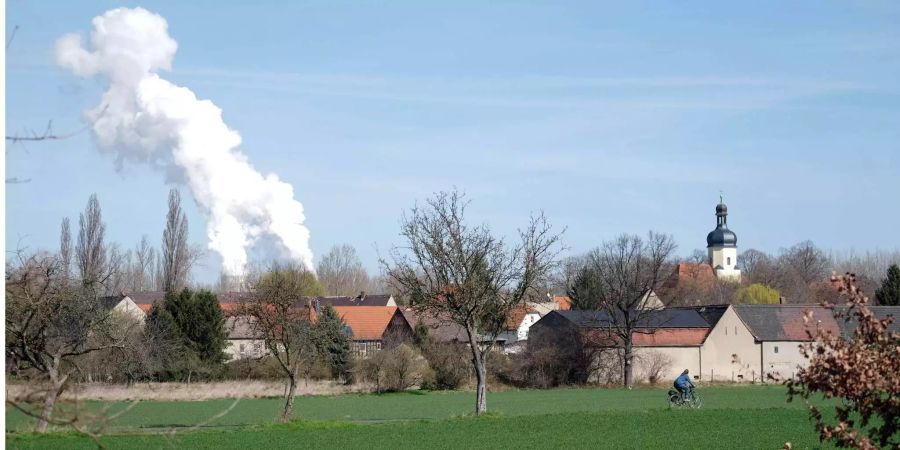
374,327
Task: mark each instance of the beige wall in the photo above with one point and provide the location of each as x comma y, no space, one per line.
128,307
727,258
681,358
730,351
787,360
245,348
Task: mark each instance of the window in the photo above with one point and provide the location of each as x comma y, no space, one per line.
729,260
241,347
735,330
776,349
726,331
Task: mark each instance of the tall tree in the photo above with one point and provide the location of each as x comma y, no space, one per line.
889,292
200,320
176,254
615,280
65,248
468,276
278,312
341,272
146,255
91,251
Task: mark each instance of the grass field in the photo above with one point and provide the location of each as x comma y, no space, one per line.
732,417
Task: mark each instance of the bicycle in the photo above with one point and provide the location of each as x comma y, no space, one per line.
677,400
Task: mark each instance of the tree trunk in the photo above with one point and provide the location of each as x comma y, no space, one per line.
481,386
629,364
289,398
57,385
480,372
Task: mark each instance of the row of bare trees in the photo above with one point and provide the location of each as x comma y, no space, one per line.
112,270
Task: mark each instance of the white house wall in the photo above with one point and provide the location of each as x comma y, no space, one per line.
784,363
730,352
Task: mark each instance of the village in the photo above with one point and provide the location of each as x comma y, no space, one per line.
440,225
737,343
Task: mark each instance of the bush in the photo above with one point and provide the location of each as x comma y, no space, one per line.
265,368
450,367
653,365
395,369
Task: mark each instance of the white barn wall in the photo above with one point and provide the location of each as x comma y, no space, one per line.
681,357
730,352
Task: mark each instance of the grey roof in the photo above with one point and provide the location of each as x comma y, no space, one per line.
664,318
359,300
785,322
711,313
110,302
881,312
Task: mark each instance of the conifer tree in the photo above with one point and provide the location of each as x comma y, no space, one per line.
889,293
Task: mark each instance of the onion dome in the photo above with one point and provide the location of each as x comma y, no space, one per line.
721,236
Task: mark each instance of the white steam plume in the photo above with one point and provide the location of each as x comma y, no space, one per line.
143,118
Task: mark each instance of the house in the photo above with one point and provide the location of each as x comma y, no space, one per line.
762,342
518,322
374,327
243,340
124,306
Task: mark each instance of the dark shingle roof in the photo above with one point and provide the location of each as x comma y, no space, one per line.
364,300
665,318
110,302
711,313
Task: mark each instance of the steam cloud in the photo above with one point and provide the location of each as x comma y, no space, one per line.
145,119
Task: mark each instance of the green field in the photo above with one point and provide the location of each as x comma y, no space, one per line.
732,417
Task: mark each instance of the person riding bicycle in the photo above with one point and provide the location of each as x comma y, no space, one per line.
684,385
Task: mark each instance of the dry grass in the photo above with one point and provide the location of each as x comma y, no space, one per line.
184,391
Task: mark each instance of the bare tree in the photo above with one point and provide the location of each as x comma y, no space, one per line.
96,262
616,279
278,312
468,276
146,255
65,247
50,324
698,257
806,262
341,272
177,258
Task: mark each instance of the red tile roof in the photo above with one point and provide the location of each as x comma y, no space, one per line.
666,337
565,303
517,315
368,323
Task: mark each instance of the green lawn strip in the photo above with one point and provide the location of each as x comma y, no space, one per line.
656,429
367,408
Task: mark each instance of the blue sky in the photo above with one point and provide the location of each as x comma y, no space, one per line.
610,117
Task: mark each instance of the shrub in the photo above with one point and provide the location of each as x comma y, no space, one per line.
395,369
653,366
450,368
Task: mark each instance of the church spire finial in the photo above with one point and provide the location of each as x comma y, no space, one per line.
721,196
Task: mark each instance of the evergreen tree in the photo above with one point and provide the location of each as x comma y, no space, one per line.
334,343
199,319
889,292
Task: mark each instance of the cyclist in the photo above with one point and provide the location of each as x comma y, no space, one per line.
684,385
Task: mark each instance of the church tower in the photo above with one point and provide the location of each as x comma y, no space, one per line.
721,244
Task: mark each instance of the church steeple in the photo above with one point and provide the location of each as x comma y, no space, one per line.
721,244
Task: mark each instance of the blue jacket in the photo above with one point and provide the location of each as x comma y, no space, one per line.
684,381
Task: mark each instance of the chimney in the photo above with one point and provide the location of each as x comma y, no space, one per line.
780,300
